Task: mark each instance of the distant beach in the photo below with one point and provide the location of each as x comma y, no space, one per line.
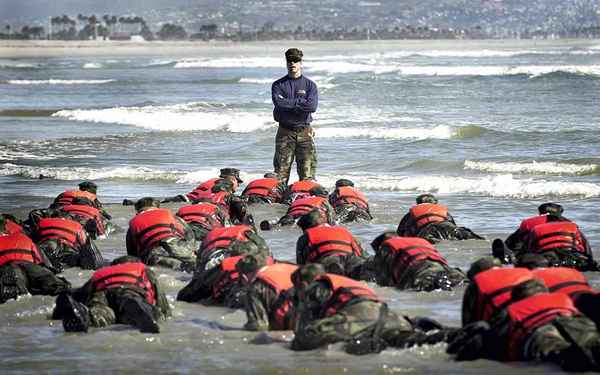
57,48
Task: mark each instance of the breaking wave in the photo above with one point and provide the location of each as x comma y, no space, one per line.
237,62
548,167
527,70
178,117
501,185
321,81
18,65
84,173
59,81
438,132
92,65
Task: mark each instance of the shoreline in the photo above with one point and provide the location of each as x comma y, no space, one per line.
52,48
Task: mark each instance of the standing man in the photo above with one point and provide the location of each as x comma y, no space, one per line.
295,97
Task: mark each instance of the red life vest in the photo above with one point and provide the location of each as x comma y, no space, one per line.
66,231
228,275
12,227
529,223
203,214
207,186
349,195
124,274
426,213
222,238
86,213
302,206
151,226
555,235
325,240
344,290
564,280
279,278
18,247
219,199
409,251
494,287
264,187
68,196
300,189
531,313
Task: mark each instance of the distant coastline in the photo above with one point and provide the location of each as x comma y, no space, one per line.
45,48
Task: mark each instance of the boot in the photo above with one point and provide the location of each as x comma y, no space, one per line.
139,314
9,285
500,252
265,225
128,202
75,315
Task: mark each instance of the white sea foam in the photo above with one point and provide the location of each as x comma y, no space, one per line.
345,67
179,117
462,70
18,65
14,154
439,132
238,62
84,173
384,63
530,70
130,173
92,65
501,185
259,81
323,82
59,81
532,167
479,53
160,62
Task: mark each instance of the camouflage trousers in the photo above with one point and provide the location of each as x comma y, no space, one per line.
290,144
570,341
364,322
110,307
430,275
17,278
173,253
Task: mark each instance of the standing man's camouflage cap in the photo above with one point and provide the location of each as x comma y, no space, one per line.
293,54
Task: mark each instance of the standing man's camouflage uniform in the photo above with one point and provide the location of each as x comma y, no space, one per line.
295,97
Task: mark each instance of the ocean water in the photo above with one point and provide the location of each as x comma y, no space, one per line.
492,128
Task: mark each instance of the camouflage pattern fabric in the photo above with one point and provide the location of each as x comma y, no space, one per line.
290,144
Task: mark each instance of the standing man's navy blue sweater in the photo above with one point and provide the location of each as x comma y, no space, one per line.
294,99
